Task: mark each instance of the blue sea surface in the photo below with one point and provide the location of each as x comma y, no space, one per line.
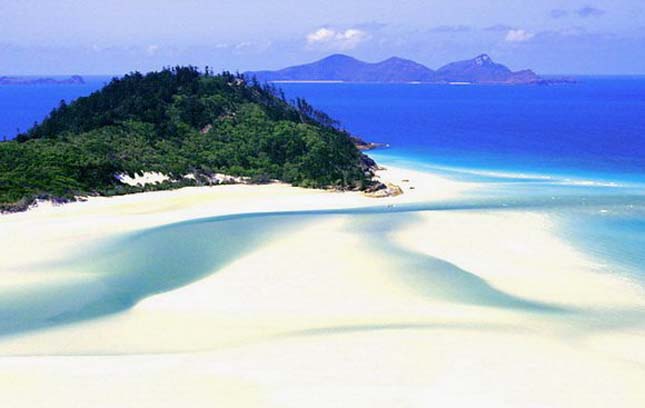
595,128
573,152
22,105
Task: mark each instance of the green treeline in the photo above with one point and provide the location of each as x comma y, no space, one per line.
177,121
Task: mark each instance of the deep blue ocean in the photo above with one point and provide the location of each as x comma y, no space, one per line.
22,105
573,152
595,128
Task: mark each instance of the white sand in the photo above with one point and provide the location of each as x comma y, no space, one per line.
319,319
519,252
143,179
48,233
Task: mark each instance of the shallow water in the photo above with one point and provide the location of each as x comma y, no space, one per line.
605,222
574,153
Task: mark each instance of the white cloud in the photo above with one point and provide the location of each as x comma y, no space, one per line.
152,49
518,35
338,39
321,35
248,47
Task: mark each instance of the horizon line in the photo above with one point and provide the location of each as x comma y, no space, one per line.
241,72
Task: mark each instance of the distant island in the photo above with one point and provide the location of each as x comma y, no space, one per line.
342,68
73,80
178,127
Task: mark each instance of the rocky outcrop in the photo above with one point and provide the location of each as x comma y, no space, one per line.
362,145
381,190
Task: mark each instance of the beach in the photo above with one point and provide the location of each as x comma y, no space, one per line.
434,308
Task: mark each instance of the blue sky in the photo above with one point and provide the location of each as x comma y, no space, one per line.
116,36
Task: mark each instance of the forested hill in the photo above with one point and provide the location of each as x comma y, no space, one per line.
177,122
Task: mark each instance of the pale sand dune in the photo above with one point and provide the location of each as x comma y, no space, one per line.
404,368
49,233
318,318
519,252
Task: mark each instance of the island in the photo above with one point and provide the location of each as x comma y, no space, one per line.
73,80
173,128
342,68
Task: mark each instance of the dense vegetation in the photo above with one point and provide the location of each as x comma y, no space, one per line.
177,121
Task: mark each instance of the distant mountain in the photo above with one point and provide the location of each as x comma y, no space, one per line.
344,68
479,70
73,80
483,70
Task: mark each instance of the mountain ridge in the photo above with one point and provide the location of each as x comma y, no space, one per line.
343,68
340,67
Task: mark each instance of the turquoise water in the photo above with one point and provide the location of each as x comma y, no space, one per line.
118,273
583,166
605,219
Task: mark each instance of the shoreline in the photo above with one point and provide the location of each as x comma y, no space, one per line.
99,217
414,310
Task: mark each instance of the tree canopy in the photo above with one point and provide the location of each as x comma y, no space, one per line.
177,121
